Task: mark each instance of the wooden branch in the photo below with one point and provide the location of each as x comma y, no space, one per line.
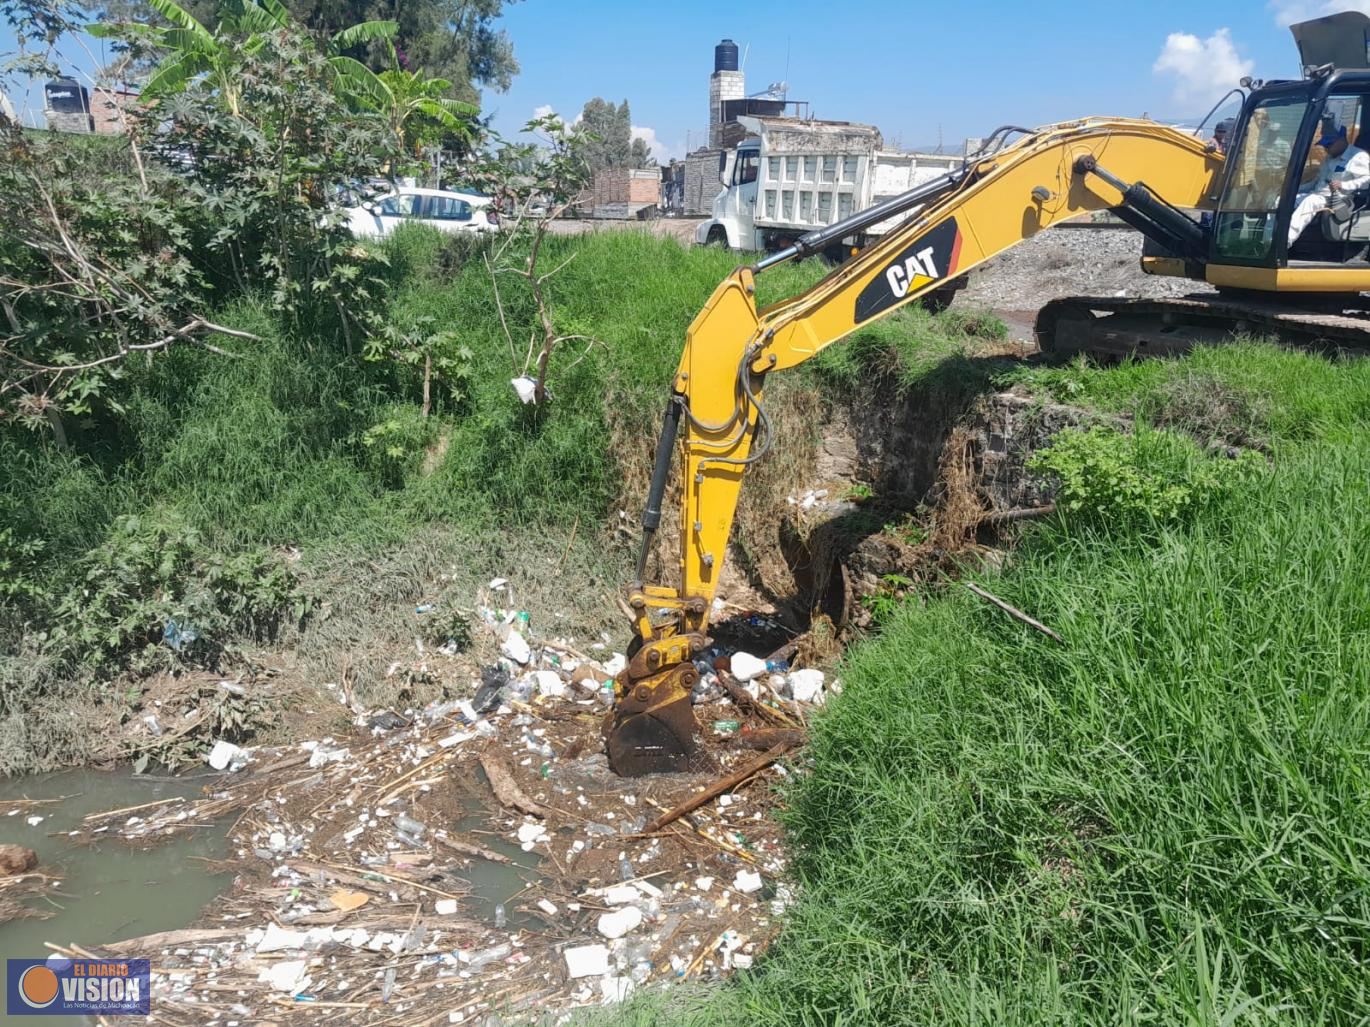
499,306
1012,611
743,700
549,274
184,333
506,789
720,786
467,849
1022,513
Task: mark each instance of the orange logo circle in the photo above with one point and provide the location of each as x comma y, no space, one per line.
38,987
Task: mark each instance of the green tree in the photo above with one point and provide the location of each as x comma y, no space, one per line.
641,155
455,40
609,131
535,185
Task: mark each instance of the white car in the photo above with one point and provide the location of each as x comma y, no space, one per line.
443,210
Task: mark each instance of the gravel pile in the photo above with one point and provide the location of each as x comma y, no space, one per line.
1070,262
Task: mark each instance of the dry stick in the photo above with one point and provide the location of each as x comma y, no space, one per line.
467,849
743,699
425,765
1022,513
720,786
699,959
569,544
130,809
1012,611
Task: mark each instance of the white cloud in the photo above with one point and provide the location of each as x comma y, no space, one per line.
543,111
1287,12
661,150
1202,69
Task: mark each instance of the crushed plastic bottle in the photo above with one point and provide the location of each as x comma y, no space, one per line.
499,916
777,666
484,957
389,985
408,825
625,869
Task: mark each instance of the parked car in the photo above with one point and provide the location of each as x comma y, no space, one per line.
444,210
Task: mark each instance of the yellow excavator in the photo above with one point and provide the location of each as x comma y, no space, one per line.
1210,214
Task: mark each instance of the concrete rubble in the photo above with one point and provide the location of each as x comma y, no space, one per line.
363,863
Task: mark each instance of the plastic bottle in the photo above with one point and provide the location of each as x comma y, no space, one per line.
484,957
777,666
408,825
625,869
389,985
499,916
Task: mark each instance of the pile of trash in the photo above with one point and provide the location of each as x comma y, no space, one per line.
476,858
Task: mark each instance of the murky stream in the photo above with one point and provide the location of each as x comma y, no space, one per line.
110,891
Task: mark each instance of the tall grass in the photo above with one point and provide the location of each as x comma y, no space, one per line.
1164,820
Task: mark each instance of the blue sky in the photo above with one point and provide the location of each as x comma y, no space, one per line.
914,70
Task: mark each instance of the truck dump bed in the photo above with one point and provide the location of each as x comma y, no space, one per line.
814,173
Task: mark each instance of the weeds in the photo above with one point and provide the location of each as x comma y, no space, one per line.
1133,480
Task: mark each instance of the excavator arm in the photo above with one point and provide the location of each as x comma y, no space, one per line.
716,416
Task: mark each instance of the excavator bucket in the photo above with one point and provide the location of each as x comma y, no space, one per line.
651,727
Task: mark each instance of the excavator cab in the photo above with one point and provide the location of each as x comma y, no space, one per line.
1274,159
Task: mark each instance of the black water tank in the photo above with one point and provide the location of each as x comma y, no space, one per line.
725,56
65,96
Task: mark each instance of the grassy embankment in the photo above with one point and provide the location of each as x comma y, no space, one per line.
188,501
1164,820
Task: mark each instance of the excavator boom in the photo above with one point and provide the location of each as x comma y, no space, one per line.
716,415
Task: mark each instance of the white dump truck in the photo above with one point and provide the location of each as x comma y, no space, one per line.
790,176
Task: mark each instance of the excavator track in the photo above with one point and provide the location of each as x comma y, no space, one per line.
1118,327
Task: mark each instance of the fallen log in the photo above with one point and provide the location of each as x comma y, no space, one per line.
506,789
720,786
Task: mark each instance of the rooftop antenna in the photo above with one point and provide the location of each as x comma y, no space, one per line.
786,94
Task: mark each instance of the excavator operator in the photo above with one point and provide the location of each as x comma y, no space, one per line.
1346,170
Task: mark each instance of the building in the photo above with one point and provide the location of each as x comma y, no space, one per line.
66,105
626,192
112,109
725,84
702,182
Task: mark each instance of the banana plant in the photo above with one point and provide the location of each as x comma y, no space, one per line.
416,107
190,50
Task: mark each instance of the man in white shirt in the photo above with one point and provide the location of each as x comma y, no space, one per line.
1346,169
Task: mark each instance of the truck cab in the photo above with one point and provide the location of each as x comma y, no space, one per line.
734,210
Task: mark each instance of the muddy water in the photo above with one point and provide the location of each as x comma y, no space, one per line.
110,891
